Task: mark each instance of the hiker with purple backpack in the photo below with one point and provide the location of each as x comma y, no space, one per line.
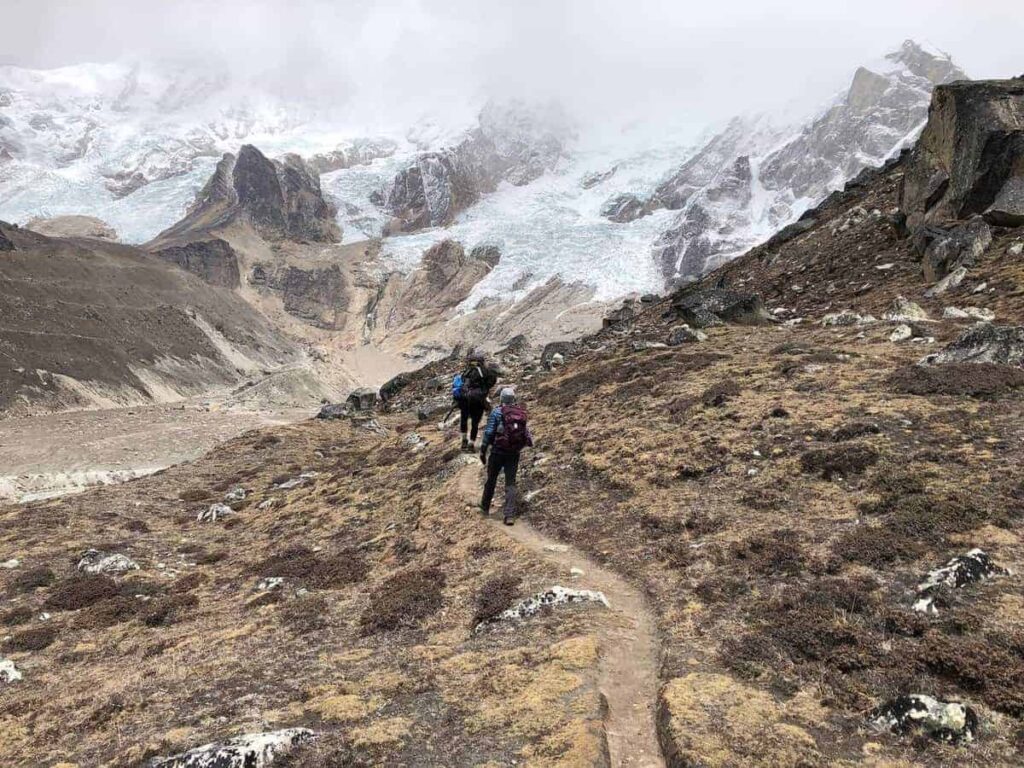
506,434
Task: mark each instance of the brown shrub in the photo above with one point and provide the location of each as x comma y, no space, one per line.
721,589
719,394
188,582
495,596
305,614
990,668
26,581
778,552
302,564
117,610
136,526
971,379
853,430
81,592
843,460
34,639
209,558
404,600
16,616
169,610
329,750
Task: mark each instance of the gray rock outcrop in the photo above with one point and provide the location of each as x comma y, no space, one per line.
703,308
624,208
984,343
970,157
214,260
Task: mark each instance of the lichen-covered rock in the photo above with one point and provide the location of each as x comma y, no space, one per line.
984,343
900,333
235,494
962,570
684,334
94,561
304,479
549,599
948,721
904,311
969,159
251,750
8,672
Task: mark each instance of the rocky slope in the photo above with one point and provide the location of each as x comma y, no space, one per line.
815,487
91,323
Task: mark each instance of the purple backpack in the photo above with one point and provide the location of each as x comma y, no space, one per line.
512,436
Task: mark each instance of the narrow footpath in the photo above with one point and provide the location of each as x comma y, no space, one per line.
629,643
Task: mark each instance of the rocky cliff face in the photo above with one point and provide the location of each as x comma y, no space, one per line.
970,159
214,261
352,154
281,198
726,208
511,143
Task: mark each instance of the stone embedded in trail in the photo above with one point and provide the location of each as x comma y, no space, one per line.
94,561
8,672
984,343
962,570
549,599
213,512
252,750
362,399
948,721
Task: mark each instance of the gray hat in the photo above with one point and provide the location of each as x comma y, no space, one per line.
508,395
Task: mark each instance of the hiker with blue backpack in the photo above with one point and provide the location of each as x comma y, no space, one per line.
469,390
506,434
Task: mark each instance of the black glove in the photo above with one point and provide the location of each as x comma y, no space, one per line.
483,456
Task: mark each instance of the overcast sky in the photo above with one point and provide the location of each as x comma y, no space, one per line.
714,57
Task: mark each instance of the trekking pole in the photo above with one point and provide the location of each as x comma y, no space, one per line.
450,412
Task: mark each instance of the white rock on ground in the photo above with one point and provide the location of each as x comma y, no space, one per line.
960,571
94,561
8,672
845,318
555,596
295,482
235,494
1017,249
969,313
11,564
213,512
251,750
944,720
901,332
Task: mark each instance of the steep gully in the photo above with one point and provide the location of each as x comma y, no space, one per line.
628,638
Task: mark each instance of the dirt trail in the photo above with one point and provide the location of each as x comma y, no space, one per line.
629,644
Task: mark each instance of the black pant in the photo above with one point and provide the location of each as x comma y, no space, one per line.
470,411
498,461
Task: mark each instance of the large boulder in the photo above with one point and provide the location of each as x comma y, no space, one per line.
252,750
984,343
944,251
563,348
970,157
704,308
362,399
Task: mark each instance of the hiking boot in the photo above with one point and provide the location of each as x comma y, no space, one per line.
465,444
472,447
483,510
509,520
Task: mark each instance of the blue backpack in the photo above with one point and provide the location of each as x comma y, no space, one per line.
458,391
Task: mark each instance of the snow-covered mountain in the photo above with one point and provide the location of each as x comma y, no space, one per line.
624,210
